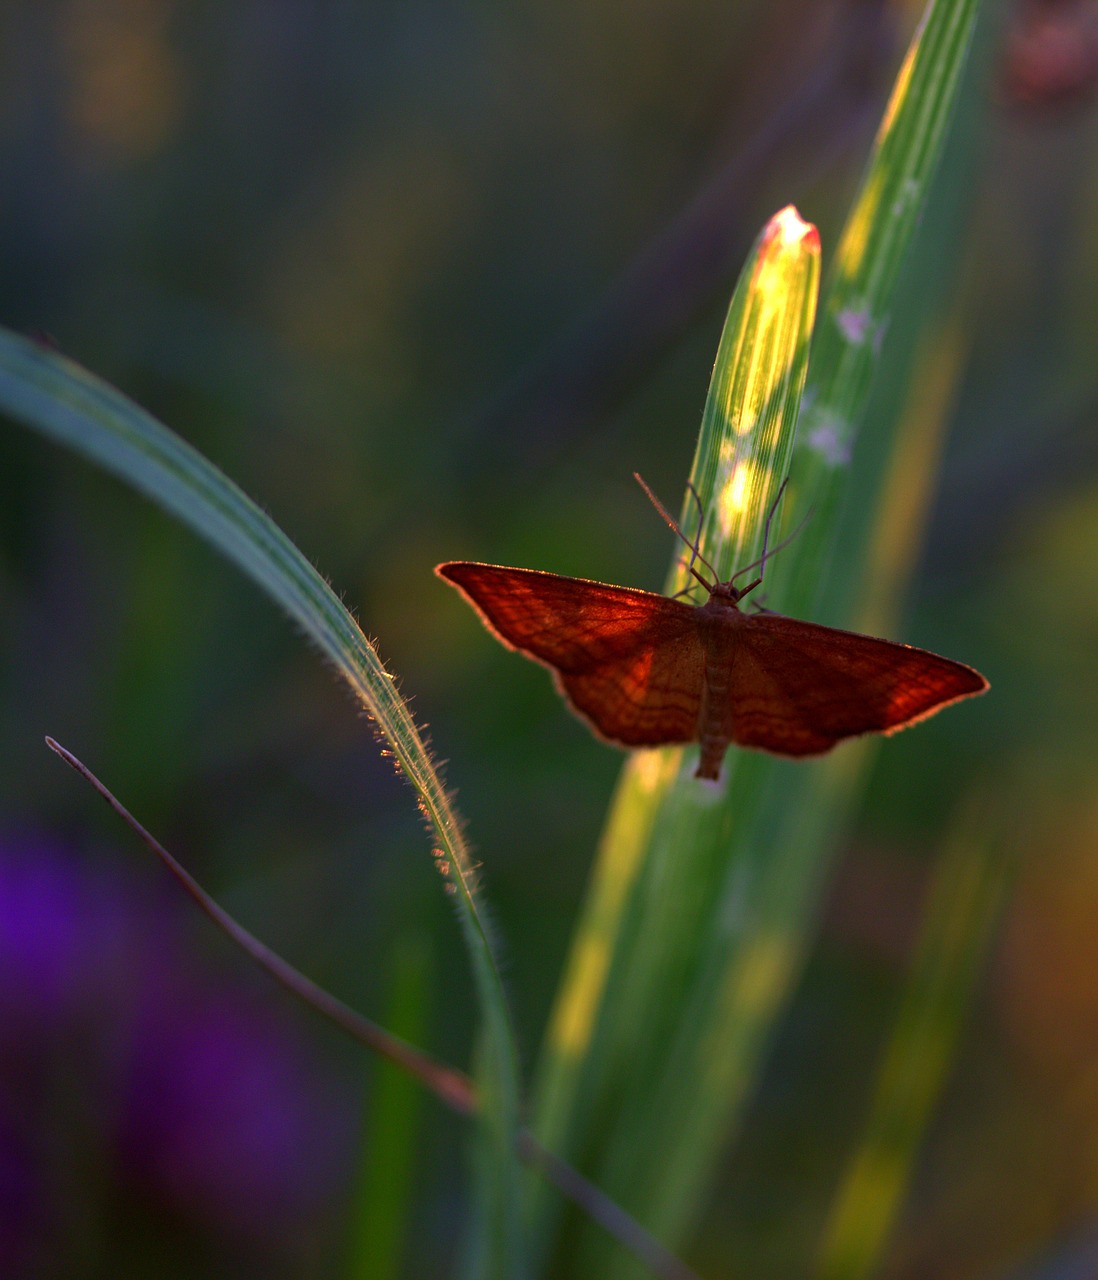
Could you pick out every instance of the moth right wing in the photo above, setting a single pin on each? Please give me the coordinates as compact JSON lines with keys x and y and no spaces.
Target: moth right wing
{"x":629,"y":662}
{"x":798,"y":688}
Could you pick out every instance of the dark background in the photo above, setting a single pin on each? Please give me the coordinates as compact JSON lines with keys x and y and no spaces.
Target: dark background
{"x":429,"y":281}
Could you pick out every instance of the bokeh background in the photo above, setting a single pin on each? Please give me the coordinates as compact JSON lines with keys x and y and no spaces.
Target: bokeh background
{"x":429,"y":281}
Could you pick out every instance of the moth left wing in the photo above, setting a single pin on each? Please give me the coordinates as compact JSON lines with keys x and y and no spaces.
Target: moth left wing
{"x":629,"y":662}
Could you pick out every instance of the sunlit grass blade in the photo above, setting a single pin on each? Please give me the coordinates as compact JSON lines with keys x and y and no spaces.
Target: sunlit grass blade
{"x":55,"y":397}
{"x":782,"y":825}
{"x":702,"y":903}
{"x":631,"y":932}
{"x":962,"y":907}
{"x":861,"y":293}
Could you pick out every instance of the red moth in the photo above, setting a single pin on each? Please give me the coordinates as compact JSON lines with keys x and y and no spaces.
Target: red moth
{"x":645,"y":670}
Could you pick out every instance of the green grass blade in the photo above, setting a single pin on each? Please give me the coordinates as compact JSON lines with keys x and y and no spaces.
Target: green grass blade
{"x":52,"y":395}
{"x":782,"y":820}
{"x":701,"y":904}
{"x":631,"y":931}
{"x":380,"y":1212}
{"x":780,"y":861}
{"x":964,"y":901}
{"x":861,"y":294}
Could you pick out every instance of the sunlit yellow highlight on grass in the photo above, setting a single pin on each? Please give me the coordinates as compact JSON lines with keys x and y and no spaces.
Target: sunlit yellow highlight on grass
{"x":780,"y":275}
{"x":864,"y":218}
{"x":908,"y":485}
{"x":862,"y":221}
{"x":571,"y":1027}
{"x":626,"y":838}
{"x":960,"y":912}
{"x":760,"y":979}
{"x":752,"y":989}
{"x":783,"y":277}
{"x":899,"y":91}
{"x":649,"y":767}
{"x":789,"y":227}
{"x":756,"y":384}
{"x":736,"y":492}
{"x":864,"y":1214}
{"x":781,"y":298}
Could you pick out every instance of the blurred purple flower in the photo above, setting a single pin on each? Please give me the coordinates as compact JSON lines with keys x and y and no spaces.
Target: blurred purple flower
{"x":64,"y":932}
{"x":199,"y":1095}
{"x":223,"y":1113}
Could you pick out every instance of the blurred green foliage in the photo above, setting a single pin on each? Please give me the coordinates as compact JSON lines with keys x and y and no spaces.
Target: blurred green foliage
{"x":298,"y":234}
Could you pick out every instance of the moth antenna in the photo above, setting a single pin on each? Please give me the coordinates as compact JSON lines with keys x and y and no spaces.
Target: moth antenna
{"x":760,"y":563}
{"x":769,"y":518}
{"x":695,"y":554}
{"x":685,"y":592}
{"x":701,"y":520}
{"x":690,"y":586}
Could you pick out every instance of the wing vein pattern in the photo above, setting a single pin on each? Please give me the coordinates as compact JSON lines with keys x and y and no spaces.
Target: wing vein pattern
{"x":630,"y":662}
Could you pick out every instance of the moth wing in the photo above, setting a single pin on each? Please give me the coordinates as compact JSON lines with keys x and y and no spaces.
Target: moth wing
{"x":629,"y":662}
{"x":798,"y":688}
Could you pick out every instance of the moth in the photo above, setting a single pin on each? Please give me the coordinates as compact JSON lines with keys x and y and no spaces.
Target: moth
{"x":646,"y":670}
